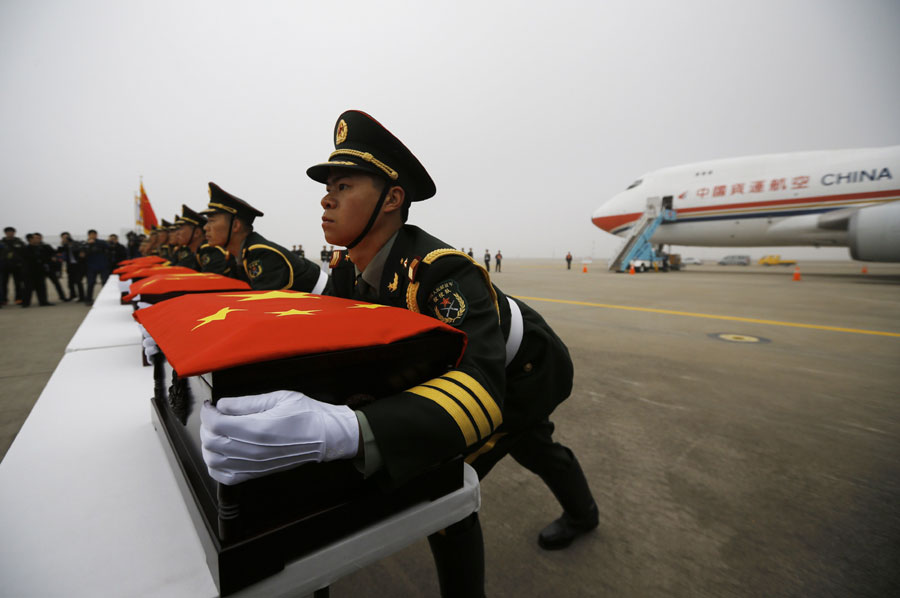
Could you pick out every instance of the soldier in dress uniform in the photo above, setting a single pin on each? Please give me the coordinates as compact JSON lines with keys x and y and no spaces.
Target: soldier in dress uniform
{"x":514,"y":372}
{"x":261,"y":263}
{"x":189,"y":237}
{"x":325,"y":257}
{"x":164,"y":232}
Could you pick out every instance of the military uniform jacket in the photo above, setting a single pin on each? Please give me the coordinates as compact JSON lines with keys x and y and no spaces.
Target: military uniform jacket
{"x":466,"y":410}
{"x":215,"y":259}
{"x":268,"y":266}
{"x":183,"y":256}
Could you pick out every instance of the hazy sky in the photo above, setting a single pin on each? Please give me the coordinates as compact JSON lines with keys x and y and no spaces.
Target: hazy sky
{"x":528,"y":115}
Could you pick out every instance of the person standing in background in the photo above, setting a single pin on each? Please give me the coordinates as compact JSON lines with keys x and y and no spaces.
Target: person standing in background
{"x":69,"y":254}
{"x":11,"y":263}
{"x":94,"y":252}
{"x":34,"y":271}
{"x":51,"y":265}
{"x":117,"y":251}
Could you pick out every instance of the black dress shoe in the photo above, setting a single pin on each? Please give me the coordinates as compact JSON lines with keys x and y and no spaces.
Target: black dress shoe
{"x":561,"y":532}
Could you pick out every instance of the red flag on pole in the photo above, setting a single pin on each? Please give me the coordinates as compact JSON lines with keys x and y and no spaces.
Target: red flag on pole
{"x":148,"y":217}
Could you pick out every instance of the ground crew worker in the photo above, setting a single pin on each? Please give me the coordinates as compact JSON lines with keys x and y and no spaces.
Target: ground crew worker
{"x":259,"y":262}
{"x":569,"y":261}
{"x":496,"y":401}
{"x":487,"y":260}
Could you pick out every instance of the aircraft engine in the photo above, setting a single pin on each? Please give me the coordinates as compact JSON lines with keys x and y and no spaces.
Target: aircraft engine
{"x":874,"y":233}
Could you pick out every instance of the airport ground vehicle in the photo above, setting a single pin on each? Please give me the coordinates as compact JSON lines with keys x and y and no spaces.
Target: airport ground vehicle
{"x":735,"y":260}
{"x":692,"y":261}
{"x":662,"y":261}
{"x":775,"y":260}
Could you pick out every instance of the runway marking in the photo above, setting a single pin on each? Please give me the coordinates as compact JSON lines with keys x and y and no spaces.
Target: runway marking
{"x":713,"y":316}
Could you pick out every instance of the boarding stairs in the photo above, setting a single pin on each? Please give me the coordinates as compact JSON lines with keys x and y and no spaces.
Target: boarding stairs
{"x":637,"y":245}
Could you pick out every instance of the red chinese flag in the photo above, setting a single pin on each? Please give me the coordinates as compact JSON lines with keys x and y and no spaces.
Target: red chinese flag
{"x":202,"y":333}
{"x":138,"y":262}
{"x":150,"y":271}
{"x":148,"y":217}
{"x":196,"y":282}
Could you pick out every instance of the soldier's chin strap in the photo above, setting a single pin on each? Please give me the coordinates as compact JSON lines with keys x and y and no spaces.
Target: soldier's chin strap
{"x":230,"y":226}
{"x":372,"y":218}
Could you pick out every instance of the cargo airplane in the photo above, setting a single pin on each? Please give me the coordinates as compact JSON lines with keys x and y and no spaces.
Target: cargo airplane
{"x":838,"y":198}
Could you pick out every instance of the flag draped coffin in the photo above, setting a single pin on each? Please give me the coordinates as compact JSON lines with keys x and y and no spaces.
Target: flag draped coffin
{"x":153,"y":269}
{"x":336,"y":350}
{"x":138,"y":262}
{"x":210,"y":332}
{"x":160,"y":287}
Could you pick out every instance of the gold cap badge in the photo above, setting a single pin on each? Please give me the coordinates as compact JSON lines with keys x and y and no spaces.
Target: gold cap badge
{"x":341,"y":135}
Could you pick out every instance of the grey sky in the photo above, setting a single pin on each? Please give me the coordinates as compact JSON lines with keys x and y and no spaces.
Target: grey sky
{"x":527,"y":115}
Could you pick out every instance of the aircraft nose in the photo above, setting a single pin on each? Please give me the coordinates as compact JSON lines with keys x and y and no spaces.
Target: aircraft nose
{"x":610,"y":217}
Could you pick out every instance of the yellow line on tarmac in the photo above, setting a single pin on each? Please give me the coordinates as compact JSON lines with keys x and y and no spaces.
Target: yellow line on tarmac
{"x":713,"y":317}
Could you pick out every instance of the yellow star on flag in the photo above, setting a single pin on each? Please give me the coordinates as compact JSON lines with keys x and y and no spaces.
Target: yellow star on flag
{"x":274,"y":295}
{"x":293,"y":312}
{"x":366,"y":306}
{"x":219,"y":315}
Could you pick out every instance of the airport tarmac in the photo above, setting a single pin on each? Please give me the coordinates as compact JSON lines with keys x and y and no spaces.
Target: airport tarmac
{"x":740,"y":430}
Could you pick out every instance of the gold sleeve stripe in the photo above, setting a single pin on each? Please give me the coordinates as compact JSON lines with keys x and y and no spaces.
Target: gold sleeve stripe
{"x":473,"y":386}
{"x":454,"y":410}
{"x":287,"y":261}
{"x":467,"y":401}
{"x":489,"y":445}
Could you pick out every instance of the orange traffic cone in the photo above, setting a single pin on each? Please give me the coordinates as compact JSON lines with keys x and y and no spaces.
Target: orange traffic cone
{"x":631,"y":269}
{"x":865,"y":270}
{"x":584,"y":269}
{"x":797,"y":273}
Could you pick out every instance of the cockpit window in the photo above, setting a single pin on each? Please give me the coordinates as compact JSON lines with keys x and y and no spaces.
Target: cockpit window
{"x":635,"y":184}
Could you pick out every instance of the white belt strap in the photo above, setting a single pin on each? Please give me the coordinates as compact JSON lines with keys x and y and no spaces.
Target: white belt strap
{"x":320,"y":284}
{"x":516,"y":328}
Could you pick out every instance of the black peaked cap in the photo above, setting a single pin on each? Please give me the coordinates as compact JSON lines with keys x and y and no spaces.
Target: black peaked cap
{"x":362,"y":143}
{"x":189,"y":216}
{"x":223,"y":202}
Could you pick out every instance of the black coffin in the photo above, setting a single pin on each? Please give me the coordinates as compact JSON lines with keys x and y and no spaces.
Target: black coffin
{"x":251,"y":530}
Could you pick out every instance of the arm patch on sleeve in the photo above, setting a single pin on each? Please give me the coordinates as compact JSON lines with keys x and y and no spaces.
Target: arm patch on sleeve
{"x":447,"y":303}
{"x":254,"y":269}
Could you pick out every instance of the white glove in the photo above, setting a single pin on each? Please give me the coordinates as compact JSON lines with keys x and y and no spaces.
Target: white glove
{"x":142,"y":304}
{"x":249,"y":437}
{"x":150,"y":346}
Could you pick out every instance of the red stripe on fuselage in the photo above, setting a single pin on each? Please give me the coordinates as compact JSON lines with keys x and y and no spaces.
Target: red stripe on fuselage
{"x":787,"y":202}
{"x":610,"y":223}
